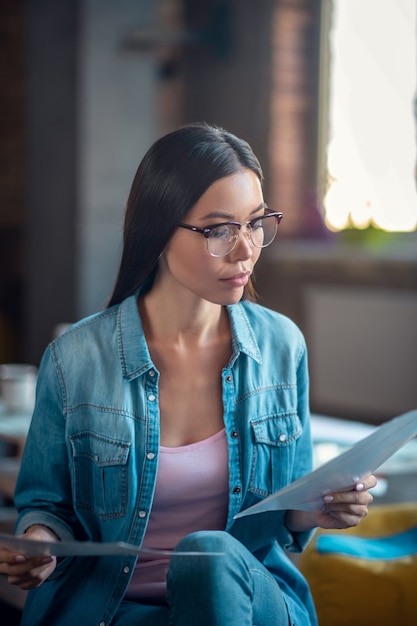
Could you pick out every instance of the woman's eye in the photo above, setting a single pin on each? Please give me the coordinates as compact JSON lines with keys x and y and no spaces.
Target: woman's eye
{"x":257,"y":224}
{"x":223,"y":232}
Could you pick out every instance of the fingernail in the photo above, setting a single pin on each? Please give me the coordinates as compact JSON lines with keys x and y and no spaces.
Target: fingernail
{"x":328,"y":499}
{"x":20,"y":558}
{"x":47,"y":559}
{"x":359,"y":486}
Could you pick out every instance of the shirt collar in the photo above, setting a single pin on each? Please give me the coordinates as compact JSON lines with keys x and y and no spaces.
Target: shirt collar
{"x":133,"y":349}
{"x":243,"y":337}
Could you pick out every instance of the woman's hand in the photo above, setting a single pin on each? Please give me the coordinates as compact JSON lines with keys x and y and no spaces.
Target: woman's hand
{"x":28,"y":572}
{"x":346,"y":508}
{"x":342,"y":509}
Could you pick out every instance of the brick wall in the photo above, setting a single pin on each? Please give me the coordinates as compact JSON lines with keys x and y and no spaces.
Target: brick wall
{"x":293,"y":110}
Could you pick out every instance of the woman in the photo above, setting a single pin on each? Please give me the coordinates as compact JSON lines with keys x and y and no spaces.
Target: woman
{"x":161,"y":418}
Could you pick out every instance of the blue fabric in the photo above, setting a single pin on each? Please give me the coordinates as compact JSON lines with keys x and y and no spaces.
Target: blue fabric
{"x":232,"y":589}
{"x":375,"y":548}
{"x":90,"y":461}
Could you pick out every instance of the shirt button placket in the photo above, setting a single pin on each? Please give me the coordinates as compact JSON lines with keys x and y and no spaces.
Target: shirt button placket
{"x":152,"y":398}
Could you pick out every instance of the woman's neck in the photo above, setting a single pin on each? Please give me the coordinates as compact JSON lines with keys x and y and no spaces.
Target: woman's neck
{"x":181,"y":320}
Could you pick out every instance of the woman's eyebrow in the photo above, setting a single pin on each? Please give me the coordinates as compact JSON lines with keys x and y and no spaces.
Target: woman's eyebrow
{"x":229,"y":216}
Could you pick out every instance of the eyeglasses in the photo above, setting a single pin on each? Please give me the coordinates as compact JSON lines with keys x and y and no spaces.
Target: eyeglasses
{"x":222,"y":238}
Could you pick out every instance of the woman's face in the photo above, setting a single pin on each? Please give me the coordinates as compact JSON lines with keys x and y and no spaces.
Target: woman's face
{"x":186,"y":261}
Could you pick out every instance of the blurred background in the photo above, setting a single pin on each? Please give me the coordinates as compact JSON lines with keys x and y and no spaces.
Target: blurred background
{"x":323,"y":90}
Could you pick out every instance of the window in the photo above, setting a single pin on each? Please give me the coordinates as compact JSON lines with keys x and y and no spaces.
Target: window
{"x":368,"y":84}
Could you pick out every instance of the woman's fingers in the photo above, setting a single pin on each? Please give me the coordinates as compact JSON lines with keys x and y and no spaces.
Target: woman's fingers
{"x":347,"y":498}
{"x":25,"y":572}
{"x":28,"y":572}
{"x":367,"y":483}
{"x":344,"y":509}
{"x":36,"y":575}
{"x":359,"y":494}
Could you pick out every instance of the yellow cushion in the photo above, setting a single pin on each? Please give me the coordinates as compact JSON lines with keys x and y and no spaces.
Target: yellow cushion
{"x":368,"y":574}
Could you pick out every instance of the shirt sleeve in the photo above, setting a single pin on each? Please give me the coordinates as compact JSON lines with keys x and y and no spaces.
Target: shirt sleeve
{"x":43,"y":492}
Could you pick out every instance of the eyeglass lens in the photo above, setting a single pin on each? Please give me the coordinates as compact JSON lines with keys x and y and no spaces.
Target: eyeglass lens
{"x":223,"y":239}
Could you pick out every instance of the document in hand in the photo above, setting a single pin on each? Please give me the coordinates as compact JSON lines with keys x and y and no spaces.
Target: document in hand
{"x":341,"y":473}
{"x":31,"y":547}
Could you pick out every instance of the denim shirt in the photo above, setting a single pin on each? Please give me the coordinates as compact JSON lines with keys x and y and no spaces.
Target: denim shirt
{"x":90,"y":462}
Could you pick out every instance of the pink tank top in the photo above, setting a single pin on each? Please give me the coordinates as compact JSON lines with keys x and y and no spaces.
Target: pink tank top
{"x":191,"y":493}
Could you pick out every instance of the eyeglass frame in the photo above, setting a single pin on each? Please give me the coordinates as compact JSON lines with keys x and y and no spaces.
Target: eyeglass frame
{"x":207,"y":230}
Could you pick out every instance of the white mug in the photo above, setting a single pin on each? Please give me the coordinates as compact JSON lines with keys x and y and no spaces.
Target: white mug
{"x":18,"y":387}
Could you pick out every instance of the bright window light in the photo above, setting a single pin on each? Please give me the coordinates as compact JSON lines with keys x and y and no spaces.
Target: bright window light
{"x":371,"y":156}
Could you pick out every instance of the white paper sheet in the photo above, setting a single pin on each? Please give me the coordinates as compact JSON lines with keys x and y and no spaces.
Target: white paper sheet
{"x":31,"y":547}
{"x":342,"y":472}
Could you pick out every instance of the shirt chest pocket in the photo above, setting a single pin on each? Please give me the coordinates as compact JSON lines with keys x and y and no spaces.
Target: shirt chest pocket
{"x":273,"y":455}
{"x":100,"y":474}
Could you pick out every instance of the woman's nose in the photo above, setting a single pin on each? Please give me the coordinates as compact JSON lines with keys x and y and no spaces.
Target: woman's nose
{"x":244,"y":246}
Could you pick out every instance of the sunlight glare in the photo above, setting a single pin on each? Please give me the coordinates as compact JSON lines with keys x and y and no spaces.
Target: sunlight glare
{"x":372,"y":151}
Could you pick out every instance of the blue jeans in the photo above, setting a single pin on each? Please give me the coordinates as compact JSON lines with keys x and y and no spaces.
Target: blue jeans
{"x":234,"y":589}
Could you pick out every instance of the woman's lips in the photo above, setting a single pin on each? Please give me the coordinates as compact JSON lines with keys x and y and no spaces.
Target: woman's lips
{"x":238,"y":280}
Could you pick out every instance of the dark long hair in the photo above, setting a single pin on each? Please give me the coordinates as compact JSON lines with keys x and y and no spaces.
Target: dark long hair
{"x":175,"y":172}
